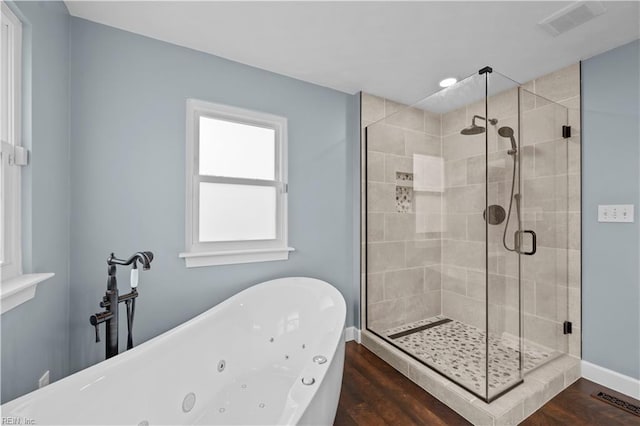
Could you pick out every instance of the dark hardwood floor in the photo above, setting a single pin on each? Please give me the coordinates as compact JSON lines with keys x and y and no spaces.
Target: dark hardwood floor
{"x":576,"y":406}
{"x":374,"y":393}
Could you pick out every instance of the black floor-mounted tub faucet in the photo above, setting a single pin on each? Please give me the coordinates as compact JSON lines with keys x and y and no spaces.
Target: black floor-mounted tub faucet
{"x":112,"y":299}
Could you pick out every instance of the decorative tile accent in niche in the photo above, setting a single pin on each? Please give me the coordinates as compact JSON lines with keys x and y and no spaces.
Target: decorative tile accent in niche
{"x":404,"y":179}
{"x":404,"y":199}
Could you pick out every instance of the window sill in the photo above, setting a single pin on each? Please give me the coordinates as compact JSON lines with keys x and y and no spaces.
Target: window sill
{"x":198,"y":259}
{"x":20,"y":289}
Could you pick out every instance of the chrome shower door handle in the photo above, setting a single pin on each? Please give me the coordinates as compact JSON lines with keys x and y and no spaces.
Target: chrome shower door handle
{"x":534,"y":242}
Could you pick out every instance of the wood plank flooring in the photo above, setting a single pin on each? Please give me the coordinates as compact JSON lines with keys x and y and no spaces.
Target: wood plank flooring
{"x":374,"y":393}
{"x":576,"y":406}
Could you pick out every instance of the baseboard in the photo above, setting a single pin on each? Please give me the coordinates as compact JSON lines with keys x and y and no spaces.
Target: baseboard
{"x":609,"y":378}
{"x":352,"y":333}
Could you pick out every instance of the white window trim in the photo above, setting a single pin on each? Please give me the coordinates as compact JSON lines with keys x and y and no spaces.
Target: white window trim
{"x":15,"y":287}
{"x":20,"y":289}
{"x":199,"y":254}
{"x":12,"y":265}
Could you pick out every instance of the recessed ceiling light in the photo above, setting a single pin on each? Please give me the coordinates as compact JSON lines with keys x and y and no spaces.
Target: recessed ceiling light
{"x":448,"y":82}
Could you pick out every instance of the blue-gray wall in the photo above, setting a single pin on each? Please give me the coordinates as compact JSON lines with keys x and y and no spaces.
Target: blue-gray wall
{"x":611,"y":251}
{"x":35,"y":335}
{"x":128,"y":98}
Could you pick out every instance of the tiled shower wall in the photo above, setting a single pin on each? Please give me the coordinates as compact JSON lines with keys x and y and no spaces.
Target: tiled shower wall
{"x":403,"y":220}
{"x":415,"y":274}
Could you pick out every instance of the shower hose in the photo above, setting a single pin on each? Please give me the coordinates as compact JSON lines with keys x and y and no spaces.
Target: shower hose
{"x":517,"y":198}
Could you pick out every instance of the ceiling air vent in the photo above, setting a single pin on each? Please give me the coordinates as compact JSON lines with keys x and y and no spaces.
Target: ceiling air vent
{"x":571,"y":16}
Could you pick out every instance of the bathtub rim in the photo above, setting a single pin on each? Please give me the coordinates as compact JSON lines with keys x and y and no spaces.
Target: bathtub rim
{"x":136,"y":352}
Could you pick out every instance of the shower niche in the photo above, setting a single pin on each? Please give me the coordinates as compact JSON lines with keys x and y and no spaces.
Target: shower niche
{"x":466,"y":229}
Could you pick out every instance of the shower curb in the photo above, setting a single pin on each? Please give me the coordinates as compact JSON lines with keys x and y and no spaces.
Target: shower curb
{"x":539,"y":386}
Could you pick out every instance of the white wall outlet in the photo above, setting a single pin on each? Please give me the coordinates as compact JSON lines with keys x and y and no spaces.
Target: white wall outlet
{"x":44,"y":380}
{"x":615,"y":213}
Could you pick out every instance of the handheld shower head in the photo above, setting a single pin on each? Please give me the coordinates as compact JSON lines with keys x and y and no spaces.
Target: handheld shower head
{"x":145,"y":257}
{"x":507,"y":132}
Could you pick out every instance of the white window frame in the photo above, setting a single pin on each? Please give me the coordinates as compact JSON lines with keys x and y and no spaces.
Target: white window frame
{"x":15,"y":287}
{"x":11,"y":258}
{"x":199,"y":253}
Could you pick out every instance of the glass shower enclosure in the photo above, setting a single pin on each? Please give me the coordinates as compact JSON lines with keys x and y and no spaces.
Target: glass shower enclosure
{"x":465,"y":200}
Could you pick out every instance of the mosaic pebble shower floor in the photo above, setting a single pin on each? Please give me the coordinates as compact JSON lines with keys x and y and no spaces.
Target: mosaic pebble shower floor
{"x":458,"y":351}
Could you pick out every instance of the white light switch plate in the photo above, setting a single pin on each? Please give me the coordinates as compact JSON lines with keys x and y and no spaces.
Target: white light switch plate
{"x":615,"y":213}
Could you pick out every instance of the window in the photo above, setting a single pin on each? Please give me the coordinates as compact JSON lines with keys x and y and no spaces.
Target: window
{"x":236,"y":186}
{"x":12,"y":153}
{"x":15,"y":287}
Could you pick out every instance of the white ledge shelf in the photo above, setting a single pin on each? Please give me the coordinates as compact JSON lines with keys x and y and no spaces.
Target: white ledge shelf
{"x":20,"y":289}
{"x":199,"y":259}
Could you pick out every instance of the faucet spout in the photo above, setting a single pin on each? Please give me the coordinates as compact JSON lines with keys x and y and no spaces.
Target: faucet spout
{"x":143,"y":257}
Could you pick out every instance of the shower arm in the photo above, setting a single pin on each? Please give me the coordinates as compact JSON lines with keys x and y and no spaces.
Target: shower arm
{"x":491,"y":121}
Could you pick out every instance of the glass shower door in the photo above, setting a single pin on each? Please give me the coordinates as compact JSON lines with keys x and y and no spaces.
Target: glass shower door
{"x":527,"y":256}
{"x":546,"y":210}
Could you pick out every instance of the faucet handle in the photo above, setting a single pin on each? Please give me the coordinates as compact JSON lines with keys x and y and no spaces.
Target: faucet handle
{"x":134,"y":277}
{"x":97,"y":333}
{"x":95,"y":321}
{"x":98,"y":318}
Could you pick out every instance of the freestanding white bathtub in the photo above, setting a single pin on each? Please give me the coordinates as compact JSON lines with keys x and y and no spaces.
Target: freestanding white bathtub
{"x":256,"y":358}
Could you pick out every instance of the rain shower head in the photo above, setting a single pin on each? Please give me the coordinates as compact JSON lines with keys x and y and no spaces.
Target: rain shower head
{"x":474,"y":129}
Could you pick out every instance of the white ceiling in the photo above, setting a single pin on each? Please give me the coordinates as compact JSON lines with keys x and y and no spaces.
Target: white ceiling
{"x":398,"y":50}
